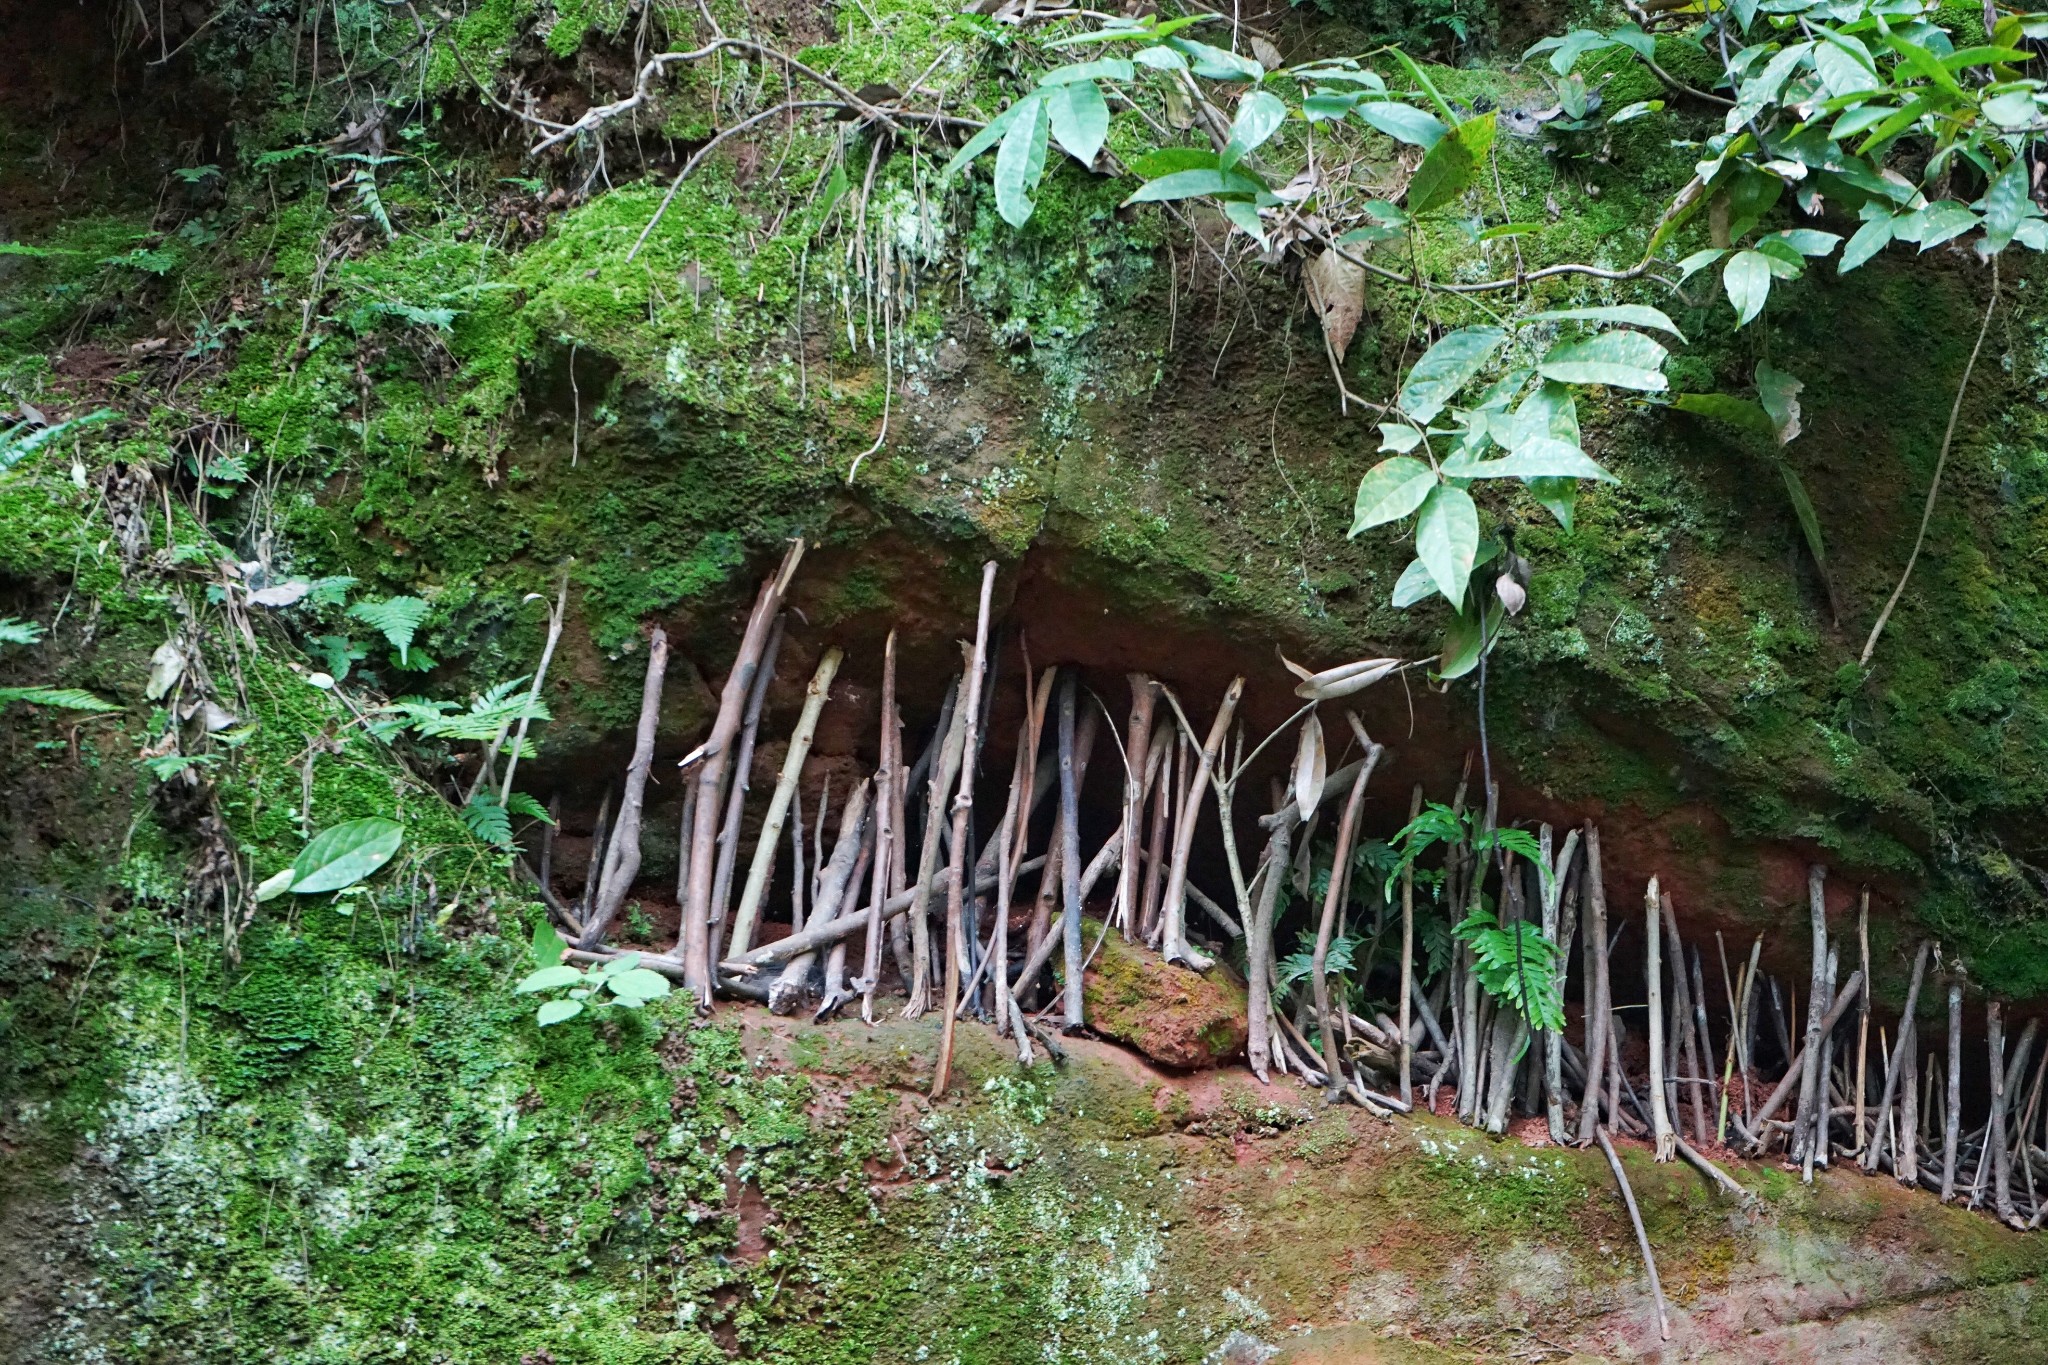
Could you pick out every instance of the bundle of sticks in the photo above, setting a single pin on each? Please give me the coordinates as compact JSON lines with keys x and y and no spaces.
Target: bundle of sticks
{"x":967,"y":920}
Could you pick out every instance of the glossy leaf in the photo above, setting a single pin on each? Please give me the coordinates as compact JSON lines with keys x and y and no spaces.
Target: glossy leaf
{"x":638,"y":984}
{"x":1020,"y":161}
{"x":1728,"y":409}
{"x":1447,"y":539}
{"x":1542,"y":457}
{"x":1620,"y":359}
{"x":344,"y":855}
{"x":1191,"y":184}
{"x":557,"y":1011}
{"x":1413,"y":585}
{"x":1391,"y":490}
{"x":1403,"y":122}
{"x":1873,"y":237}
{"x":1446,"y":368}
{"x":548,"y":979}
{"x":1747,"y":278}
{"x":1448,"y":167}
{"x":1259,"y":116}
{"x":1079,"y":119}
{"x":1629,"y":314}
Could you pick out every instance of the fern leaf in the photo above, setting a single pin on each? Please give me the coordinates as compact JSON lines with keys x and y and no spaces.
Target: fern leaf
{"x":398,"y":618}
{"x":18,"y":632}
{"x":488,"y":820}
{"x":523,"y":803}
{"x":66,"y":698}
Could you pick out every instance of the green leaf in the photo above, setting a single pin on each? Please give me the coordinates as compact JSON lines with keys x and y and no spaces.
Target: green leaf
{"x":2005,"y":204}
{"x":1747,"y":278}
{"x":1391,"y":490}
{"x":1079,"y":118}
{"x":1190,"y":184}
{"x":1844,"y":65}
{"x":1399,"y":437}
{"x":1873,"y":237}
{"x":1802,"y":507}
{"x":1413,"y":585}
{"x":1216,"y":64}
{"x":547,"y":947}
{"x":556,"y":1011}
{"x":638,"y":984}
{"x":1403,"y":122}
{"x":1164,"y":161}
{"x":1620,"y":359}
{"x":1558,"y":496}
{"x":1446,"y":368}
{"x":398,"y":618}
{"x":15,"y":631}
{"x":344,"y":855}
{"x":524,"y":803}
{"x":989,"y":135}
{"x":1421,"y":78}
{"x":1540,"y":457}
{"x":548,"y":979}
{"x":1549,"y":410}
{"x":1447,"y":539}
{"x":1728,"y":409}
{"x":1807,"y":241}
{"x":1020,"y":161}
{"x":1463,"y":638}
{"x":1779,"y":394}
{"x":1448,"y":167}
{"x":1630,"y":314}
{"x":1259,"y":116}
{"x":63,"y":698}
{"x":1698,"y":261}
{"x":273,"y":886}
{"x":488,"y":820}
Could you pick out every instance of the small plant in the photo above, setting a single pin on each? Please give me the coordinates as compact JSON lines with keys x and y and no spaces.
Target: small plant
{"x":491,"y":820}
{"x":398,"y":618}
{"x":337,"y":859}
{"x":1517,"y":966}
{"x":620,"y":982}
{"x":18,"y":632}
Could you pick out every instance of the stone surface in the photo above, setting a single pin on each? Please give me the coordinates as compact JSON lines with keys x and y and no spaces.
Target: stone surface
{"x":1174,"y":1017}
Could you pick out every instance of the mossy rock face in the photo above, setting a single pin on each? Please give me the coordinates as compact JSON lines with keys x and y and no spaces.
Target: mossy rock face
{"x":1172,"y":1016}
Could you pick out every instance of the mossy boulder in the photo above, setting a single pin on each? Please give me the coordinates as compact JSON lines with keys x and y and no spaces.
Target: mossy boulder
{"x":1175,"y":1017}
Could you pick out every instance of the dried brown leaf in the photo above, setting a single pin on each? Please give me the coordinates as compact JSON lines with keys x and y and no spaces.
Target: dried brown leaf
{"x":1336,"y":290}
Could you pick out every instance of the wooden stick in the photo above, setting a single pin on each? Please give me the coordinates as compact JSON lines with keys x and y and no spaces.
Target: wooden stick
{"x":1901,"y":1058}
{"x":956,"y":947}
{"x":742,"y":781}
{"x":1635,"y":1218}
{"x":1259,"y":951}
{"x":1407,"y":1077}
{"x":1598,"y":1004}
{"x":1952,"y":1115}
{"x":833,"y":885}
{"x":1702,"y":1038}
{"x":712,"y":773}
{"x":995,"y":958}
{"x":1820,"y":1121}
{"x":540,"y":676}
{"x":1070,"y":856}
{"x":622,"y":859}
{"x":1653,"y":978}
{"x":1683,"y":1044}
{"x":1019,"y":836}
{"x":593,"y":871}
{"x":1164,"y":795}
{"x":1795,"y":1068}
{"x":1810,"y":1093}
{"x":1173,"y":939}
{"x":1994,"y":1134}
{"x":1746,"y":1058}
{"x":1137,"y":756}
{"x":943,"y":771}
{"x":885,"y":833}
{"x":1906,"y":1142}
{"x":763,"y":866}
{"x":1714,"y":1173}
{"x":1862,"y":1015}
{"x":1098,"y":866}
{"x":1333,"y":1061}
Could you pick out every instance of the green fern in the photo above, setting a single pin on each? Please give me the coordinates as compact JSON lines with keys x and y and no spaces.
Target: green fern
{"x":488,"y":820}
{"x":14,"y":631}
{"x":66,"y":698}
{"x":24,"y":439}
{"x":1517,"y":966}
{"x":398,"y":618}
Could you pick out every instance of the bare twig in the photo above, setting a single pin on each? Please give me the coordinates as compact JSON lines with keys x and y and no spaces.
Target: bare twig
{"x":1635,"y":1218}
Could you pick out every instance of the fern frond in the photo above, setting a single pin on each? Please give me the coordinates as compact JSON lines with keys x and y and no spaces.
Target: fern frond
{"x":66,"y":698}
{"x":24,"y":439}
{"x":398,"y":618}
{"x":18,"y":632}
{"x":488,"y":820}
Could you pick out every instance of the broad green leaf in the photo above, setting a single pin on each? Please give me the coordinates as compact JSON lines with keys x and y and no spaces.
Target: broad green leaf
{"x":638,"y":983}
{"x":1747,"y":278}
{"x":1809,"y":520}
{"x":1844,"y":65}
{"x":2005,"y":203}
{"x":1779,"y":393}
{"x":1108,"y":69}
{"x":1549,"y":410}
{"x":273,"y":886}
{"x":1938,"y":222}
{"x":990,"y":134}
{"x":1020,"y":161}
{"x":2013,"y":109}
{"x":1629,"y":113}
{"x":1873,"y":237}
{"x":1464,"y":636}
{"x":1160,"y":59}
{"x":1446,"y":368}
{"x":1259,"y":116}
{"x":548,"y":979}
{"x":1414,"y":584}
{"x":1448,"y":167}
{"x":1421,"y":78}
{"x":1079,"y":118}
{"x":547,"y":947}
{"x":1403,"y":122}
{"x":1325,"y":105}
{"x":1860,"y":119}
{"x":344,"y":855}
{"x":1190,"y":184}
{"x":1806,"y":241}
{"x":1541,"y":457}
{"x":1698,"y":261}
{"x":1447,"y":539}
{"x":1164,"y":161}
{"x":1399,"y":437}
{"x":556,"y":1011}
{"x":1785,"y":262}
{"x":1215,"y":64}
{"x":1127,"y":30}
{"x":1620,"y":359}
{"x":1728,"y":409}
{"x":1245,"y":217}
{"x":1391,"y":490}
{"x":1630,"y":314}
{"x":1558,"y":496}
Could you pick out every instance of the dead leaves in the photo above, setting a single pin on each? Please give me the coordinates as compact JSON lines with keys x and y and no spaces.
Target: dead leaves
{"x":1336,"y":291}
